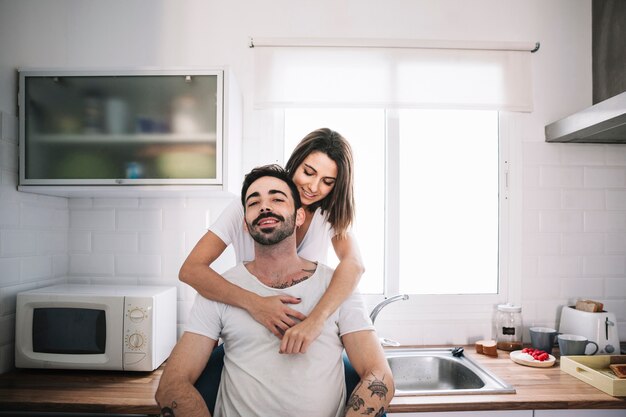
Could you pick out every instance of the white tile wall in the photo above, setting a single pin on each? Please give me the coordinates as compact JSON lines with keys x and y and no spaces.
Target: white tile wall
{"x":33,"y":238}
{"x":578,"y":248}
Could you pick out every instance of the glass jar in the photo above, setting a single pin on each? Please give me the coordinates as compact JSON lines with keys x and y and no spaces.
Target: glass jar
{"x":509,"y":327}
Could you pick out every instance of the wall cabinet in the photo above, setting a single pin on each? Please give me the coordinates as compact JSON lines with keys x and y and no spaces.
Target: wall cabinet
{"x":117,"y":132}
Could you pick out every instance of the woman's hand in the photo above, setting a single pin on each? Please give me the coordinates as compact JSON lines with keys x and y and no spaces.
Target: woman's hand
{"x":298,"y":338}
{"x":273,"y":313}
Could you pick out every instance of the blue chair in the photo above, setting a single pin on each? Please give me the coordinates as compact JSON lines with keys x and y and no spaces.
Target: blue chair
{"x":208,"y":382}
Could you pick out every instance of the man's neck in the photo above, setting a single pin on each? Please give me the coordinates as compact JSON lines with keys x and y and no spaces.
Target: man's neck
{"x":279,"y":265}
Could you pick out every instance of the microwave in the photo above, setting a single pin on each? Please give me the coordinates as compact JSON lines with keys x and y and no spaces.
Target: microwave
{"x":100,"y":327}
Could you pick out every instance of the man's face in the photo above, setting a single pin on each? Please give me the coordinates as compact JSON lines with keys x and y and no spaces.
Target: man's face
{"x":270,"y":213}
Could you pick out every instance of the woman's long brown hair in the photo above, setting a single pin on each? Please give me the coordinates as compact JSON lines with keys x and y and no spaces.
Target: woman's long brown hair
{"x":339,"y":204}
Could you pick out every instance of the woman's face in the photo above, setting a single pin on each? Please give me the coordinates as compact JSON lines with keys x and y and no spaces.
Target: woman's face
{"x":315,"y":177}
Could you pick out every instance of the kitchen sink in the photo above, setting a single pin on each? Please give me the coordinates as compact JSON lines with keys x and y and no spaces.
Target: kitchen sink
{"x":437,"y":371}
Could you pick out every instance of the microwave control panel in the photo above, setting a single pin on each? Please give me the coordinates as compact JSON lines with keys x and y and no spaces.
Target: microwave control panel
{"x":137,"y":329}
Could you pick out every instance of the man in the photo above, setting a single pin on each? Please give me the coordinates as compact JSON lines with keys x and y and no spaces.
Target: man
{"x":257,"y":380}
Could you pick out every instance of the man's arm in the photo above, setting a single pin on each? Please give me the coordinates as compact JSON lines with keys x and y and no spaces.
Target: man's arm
{"x":184,"y":366}
{"x":374,"y":393}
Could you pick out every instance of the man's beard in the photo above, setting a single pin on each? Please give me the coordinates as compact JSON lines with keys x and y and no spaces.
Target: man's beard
{"x":271,"y":236}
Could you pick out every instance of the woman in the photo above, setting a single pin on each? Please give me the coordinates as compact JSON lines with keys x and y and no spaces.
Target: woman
{"x":322,"y":168}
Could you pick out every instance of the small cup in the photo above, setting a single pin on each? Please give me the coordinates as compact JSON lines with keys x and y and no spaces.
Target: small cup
{"x":543,"y":338}
{"x":571,"y":344}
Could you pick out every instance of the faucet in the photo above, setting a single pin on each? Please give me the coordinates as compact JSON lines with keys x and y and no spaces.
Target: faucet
{"x":384,"y":303}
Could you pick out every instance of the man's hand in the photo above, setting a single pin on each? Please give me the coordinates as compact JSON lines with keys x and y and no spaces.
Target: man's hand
{"x":273,"y":313}
{"x":299,"y":337}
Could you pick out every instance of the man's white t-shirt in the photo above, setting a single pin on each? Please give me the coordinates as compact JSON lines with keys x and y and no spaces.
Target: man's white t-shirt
{"x":256,"y":379}
{"x":229,"y":228}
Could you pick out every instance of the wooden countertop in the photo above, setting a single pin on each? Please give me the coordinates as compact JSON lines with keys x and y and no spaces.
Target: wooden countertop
{"x":536,"y":389}
{"x":133,"y":392}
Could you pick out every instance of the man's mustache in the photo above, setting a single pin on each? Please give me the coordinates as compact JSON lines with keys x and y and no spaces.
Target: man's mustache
{"x":267,"y":215}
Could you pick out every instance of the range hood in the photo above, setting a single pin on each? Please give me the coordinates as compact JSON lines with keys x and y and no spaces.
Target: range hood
{"x":604,"y":122}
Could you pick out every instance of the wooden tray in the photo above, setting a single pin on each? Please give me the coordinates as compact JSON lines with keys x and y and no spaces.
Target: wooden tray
{"x":595,"y":371}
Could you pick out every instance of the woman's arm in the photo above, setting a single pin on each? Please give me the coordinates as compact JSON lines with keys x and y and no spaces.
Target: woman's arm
{"x":272,"y":312}
{"x":345,"y":279}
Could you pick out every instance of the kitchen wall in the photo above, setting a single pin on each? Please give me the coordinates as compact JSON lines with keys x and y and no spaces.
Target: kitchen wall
{"x":568,"y":202}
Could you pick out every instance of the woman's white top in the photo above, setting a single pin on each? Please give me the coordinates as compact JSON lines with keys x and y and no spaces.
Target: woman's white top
{"x":229,"y":228}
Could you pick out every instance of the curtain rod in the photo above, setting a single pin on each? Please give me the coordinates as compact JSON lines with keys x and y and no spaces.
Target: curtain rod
{"x":392,"y":43}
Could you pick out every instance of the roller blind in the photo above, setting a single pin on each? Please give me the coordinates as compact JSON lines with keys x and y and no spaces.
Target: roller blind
{"x":403,"y":75}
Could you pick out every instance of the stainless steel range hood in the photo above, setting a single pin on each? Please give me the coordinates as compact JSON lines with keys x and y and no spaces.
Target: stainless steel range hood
{"x":604,"y":122}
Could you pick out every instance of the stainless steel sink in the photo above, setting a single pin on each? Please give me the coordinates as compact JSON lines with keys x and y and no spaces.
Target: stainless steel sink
{"x":437,"y":371}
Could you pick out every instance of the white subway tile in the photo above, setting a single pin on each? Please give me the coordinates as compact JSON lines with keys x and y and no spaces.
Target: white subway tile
{"x":615,"y":155}
{"x":191,"y":238}
{"x":541,"y":153}
{"x":32,"y":215}
{"x":170,"y":203}
{"x":616,"y":243}
{"x":138,"y":265}
{"x":542,"y":198}
{"x":616,"y":287}
{"x":582,"y":154}
{"x":18,"y":242}
{"x":583,"y":199}
{"x":616,"y":199}
{"x":7,"y":329}
{"x":8,"y":156}
{"x":531,"y":221}
{"x":116,"y":202}
{"x":139,"y":220}
{"x":171,"y":264}
{"x":531,"y":177}
{"x":530,"y":266}
{"x":187,"y":219}
{"x":61,"y":219}
{"x":582,"y":243}
{"x":9,"y":180}
{"x":92,"y":219}
{"x":7,"y":355}
{"x":79,"y":241}
{"x":9,"y":271}
{"x":604,"y":265}
{"x":560,"y":266}
{"x":8,"y":127}
{"x":80,"y":203}
{"x":92,"y":264}
{"x":8,"y":296}
{"x":52,"y":242}
{"x":565,"y":221}
{"x":605,"y":221}
{"x":60,"y":265}
{"x":163,"y":242}
{"x":567,"y":177}
{"x":36,"y":268}
{"x":9,"y":213}
{"x":115,"y":242}
{"x":542,"y":287}
{"x":575,"y":288}
{"x":605,"y":177}
{"x":542,"y":243}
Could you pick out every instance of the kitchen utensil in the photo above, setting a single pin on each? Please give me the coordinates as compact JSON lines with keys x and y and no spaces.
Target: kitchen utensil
{"x":572,"y":344}
{"x":601,"y":327}
{"x":525,"y":359}
{"x":543,"y":338}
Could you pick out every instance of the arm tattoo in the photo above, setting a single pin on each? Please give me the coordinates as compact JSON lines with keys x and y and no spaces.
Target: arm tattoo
{"x":355,"y":402}
{"x":378,"y":387}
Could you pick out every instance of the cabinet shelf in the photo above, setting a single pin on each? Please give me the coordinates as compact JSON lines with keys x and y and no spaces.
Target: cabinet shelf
{"x":138,"y":138}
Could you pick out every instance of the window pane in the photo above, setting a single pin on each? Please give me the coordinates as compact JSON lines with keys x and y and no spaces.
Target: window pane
{"x":365,"y":130}
{"x":448,"y":201}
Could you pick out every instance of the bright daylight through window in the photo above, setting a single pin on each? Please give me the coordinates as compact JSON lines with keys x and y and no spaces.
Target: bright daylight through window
{"x":442,"y":214}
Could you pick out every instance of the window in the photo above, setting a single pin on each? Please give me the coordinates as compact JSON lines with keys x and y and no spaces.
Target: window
{"x":428,"y":200}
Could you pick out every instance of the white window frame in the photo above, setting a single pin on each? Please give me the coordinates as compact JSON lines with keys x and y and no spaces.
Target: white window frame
{"x":434,"y":307}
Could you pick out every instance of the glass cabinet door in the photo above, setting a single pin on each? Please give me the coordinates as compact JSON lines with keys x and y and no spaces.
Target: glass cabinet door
{"x":121,"y":129}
